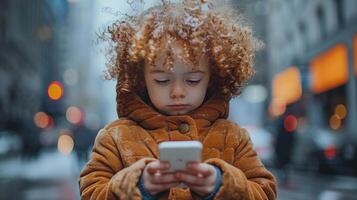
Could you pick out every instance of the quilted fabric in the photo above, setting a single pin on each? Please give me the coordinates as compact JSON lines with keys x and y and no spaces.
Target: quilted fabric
{"x":125,"y":146}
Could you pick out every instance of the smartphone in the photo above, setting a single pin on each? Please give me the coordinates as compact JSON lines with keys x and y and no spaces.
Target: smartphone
{"x":179,"y":153}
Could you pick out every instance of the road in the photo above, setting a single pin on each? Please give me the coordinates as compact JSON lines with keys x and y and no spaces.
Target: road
{"x":53,"y":176}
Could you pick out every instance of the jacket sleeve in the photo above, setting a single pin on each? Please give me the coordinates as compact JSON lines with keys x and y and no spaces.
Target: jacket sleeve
{"x":247,"y":178}
{"x":104,"y":177}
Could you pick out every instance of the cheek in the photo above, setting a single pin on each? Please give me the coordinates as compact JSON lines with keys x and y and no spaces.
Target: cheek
{"x":155,"y":90}
{"x":198,"y":94}
{"x":157,"y":94}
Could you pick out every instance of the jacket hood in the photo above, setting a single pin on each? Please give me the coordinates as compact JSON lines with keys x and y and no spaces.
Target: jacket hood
{"x":133,"y":107}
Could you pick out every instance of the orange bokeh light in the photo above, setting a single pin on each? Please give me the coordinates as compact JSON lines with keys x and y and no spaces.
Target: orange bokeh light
{"x":286,"y":86}
{"x":55,"y":90}
{"x":41,"y":120}
{"x":277,"y":107}
{"x":290,"y":123}
{"x":329,"y":69}
{"x":341,"y":111}
{"x":355,"y":52}
{"x":335,"y":122}
{"x":74,"y":115}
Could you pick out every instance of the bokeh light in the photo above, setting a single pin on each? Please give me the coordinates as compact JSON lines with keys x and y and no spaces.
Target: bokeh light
{"x":44,"y":33}
{"x":55,"y":90}
{"x":329,"y":69}
{"x":70,"y":77}
{"x":42,"y":120}
{"x":290,"y":123}
{"x":51,"y":122}
{"x":335,"y":122}
{"x":65,"y":144}
{"x":255,"y":93}
{"x":277,"y":107}
{"x":74,"y":115}
{"x":341,"y":111}
{"x":330,"y":152}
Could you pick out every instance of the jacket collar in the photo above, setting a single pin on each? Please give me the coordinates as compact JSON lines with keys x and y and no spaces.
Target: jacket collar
{"x":134,"y":108}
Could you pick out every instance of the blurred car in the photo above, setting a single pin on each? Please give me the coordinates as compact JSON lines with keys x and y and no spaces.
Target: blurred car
{"x":325,"y":151}
{"x":262,"y":140}
{"x":10,"y":142}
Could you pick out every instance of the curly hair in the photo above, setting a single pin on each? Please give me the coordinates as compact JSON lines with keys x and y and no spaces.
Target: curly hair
{"x":139,"y":39}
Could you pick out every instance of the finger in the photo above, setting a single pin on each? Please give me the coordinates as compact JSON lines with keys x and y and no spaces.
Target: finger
{"x":201,"y":190}
{"x":191,"y":179}
{"x":163,"y":178}
{"x":192,"y":168}
{"x":154,"y":189}
{"x":155,"y":166}
{"x":201,"y":168}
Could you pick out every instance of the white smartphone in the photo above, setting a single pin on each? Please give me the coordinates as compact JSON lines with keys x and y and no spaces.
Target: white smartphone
{"x":179,"y":153}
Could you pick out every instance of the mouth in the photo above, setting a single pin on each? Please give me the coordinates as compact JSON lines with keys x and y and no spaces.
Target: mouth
{"x":178,"y":106}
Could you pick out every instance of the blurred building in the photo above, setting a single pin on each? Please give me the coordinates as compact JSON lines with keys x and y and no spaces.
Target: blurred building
{"x":29,"y":61}
{"x":312,"y":49}
{"x":89,"y":54}
{"x":254,"y":96}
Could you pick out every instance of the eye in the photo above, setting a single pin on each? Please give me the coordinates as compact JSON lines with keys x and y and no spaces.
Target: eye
{"x":193,"y":82}
{"x":162,"y":82}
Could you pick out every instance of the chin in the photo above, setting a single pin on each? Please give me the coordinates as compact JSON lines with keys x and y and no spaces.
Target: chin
{"x":176,"y":112}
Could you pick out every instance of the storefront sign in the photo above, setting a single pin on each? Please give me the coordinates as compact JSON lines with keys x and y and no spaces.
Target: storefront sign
{"x":329,"y":69}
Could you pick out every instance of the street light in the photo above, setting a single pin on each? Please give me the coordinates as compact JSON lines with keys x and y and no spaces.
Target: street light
{"x":74,"y":115}
{"x":55,"y":90}
{"x":43,"y":120}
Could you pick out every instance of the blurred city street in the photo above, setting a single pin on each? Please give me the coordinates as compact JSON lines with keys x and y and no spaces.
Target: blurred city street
{"x":53,"y":177}
{"x":311,"y":186}
{"x":300,"y":108}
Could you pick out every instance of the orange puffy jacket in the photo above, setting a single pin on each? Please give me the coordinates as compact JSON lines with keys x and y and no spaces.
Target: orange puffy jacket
{"x":125,"y":146}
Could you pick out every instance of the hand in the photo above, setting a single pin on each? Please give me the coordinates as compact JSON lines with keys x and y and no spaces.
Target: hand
{"x":199,"y":177}
{"x":155,"y":180}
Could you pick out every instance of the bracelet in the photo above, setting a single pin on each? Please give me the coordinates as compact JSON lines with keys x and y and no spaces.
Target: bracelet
{"x":216,"y":186}
{"x":145,"y":195}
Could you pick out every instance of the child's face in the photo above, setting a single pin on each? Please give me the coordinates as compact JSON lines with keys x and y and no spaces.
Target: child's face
{"x":180,"y":90}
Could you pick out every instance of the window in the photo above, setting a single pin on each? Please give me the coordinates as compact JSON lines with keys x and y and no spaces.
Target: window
{"x":339,"y":13}
{"x":321,"y":19}
{"x":3,"y":7}
{"x":2,"y":29}
{"x":303,"y":32}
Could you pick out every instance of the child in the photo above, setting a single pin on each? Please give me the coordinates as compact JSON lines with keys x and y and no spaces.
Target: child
{"x":177,"y":66}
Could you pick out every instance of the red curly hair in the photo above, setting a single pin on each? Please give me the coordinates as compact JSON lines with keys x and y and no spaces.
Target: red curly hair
{"x":139,"y":39}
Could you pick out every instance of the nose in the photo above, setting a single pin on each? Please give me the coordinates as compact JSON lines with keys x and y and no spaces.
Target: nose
{"x":178,"y":91}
